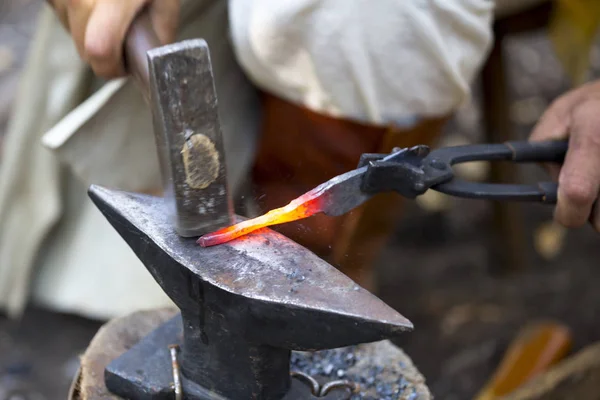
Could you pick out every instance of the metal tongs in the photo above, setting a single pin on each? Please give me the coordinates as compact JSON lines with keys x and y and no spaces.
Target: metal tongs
{"x":410,"y":172}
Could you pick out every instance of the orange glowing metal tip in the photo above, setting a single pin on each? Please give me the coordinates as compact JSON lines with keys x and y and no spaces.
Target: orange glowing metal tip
{"x":335,"y":197}
{"x":302,"y":207}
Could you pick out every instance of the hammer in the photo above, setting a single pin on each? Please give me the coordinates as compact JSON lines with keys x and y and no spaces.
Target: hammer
{"x":191,"y":154}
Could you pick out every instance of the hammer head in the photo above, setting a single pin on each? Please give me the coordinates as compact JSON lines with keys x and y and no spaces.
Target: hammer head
{"x":188,"y":137}
{"x":269,"y":288}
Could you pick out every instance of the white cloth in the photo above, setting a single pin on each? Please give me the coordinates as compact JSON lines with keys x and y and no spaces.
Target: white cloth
{"x":379,"y":61}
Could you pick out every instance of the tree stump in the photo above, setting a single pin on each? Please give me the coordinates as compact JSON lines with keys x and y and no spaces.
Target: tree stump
{"x":381,"y":369}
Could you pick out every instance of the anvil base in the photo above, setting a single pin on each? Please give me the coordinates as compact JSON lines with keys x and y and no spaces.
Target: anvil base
{"x":145,"y":372}
{"x":381,"y":369}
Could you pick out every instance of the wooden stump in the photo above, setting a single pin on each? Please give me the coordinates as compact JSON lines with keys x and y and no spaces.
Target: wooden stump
{"x":375,"y":366}
{"x":112,"y":340}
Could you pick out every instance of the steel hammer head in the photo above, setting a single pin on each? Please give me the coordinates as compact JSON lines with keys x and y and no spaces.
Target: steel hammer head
{"x":188,"y":137}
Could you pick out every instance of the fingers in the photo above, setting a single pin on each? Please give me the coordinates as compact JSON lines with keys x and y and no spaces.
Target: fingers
{"x":556,"y":120}
{"x":104,"y":35}
{"x":579,"y":179}
{"x":99,"y":28}
{"x":165,"y":18}
{"x":574,"y":114}
{"x":555,"y":123}
{"x":77,"y":14}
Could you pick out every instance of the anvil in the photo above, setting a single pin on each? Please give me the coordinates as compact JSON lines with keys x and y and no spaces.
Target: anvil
{"x":245,"y":305}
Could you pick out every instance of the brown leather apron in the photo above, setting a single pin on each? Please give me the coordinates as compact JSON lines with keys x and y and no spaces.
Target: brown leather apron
{"x":301,"y":149}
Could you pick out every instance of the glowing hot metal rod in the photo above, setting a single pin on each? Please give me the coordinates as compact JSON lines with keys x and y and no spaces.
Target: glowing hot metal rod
{"x":334,"y":197}
{"x":409,"y":172}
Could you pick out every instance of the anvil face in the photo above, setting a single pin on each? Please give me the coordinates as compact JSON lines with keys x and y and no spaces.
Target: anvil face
{"x":246,"y":303}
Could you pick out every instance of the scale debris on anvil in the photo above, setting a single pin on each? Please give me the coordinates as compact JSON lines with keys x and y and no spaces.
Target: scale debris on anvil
{"x":244,"y":305}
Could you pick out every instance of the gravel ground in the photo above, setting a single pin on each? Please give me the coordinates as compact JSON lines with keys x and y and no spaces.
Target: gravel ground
{"x":435,"y":271}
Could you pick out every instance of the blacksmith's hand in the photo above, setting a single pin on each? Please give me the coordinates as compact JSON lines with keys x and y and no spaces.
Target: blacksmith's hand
{"x":99,"y":27}
{"x":575,"y":115}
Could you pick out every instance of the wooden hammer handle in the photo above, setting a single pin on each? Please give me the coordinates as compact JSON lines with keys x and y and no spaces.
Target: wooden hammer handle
{"x":140,"y":38}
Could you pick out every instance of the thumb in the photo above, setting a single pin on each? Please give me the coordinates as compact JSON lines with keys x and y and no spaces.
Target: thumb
{"x":105,"y":34}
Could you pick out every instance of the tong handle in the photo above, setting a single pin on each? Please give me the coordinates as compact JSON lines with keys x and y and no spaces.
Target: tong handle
{"x":140,"y":38}
{"x":438,"y":166}
{"x":544,"y":192}
{"x":548,"y":151}
{"x":517,"y":151}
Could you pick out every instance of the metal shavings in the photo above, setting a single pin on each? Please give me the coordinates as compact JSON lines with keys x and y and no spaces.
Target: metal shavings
{"x":321,"y":391}
{"x":376,"y":382}
{"x":335,"y":385}
{"x":315,"y":387}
